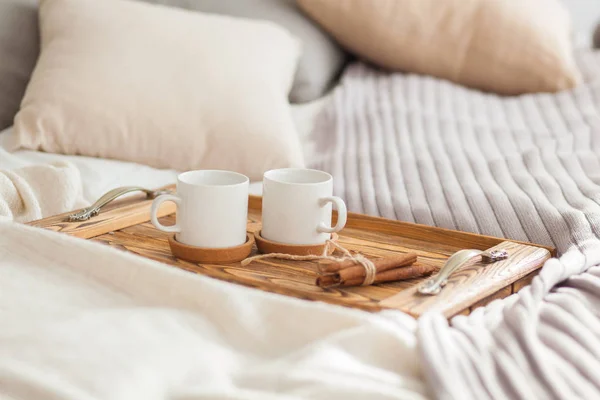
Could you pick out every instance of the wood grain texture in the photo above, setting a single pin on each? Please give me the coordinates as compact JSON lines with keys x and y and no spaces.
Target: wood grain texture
{"x":525,"y":281}
{"x":474,"y":282}
{"x":119,"y":214}
{"x":500,"y":294}
{"x":472,"y":286}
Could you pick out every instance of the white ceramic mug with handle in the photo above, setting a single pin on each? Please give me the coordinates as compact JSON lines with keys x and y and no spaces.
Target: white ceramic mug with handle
{"x":297,"y":204}
{"x":212,"y":209}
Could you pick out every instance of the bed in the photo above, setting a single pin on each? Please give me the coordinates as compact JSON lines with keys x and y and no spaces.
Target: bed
{"x":80,"y":320}
{"x":374,"y":131}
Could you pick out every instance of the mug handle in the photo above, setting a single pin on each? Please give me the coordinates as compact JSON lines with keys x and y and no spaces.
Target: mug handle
{"x":342,"y":214}
{"x":156,"y":204}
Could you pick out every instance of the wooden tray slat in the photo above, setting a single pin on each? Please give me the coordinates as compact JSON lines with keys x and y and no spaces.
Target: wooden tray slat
{"x":475,"y":282}
{"x":120,"y":214}
{"x":125,"y":225}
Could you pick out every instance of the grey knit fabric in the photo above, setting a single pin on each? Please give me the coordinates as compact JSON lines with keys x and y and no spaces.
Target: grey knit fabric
{"x":423,"y":150}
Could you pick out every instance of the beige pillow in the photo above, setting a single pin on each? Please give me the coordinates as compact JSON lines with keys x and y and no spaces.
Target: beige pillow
{"x":503,"y":46}
{"x":161,"y":86}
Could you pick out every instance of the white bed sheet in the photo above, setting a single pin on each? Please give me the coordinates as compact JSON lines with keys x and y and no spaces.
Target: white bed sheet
{"x":100,"y":175}
{"x":85,"y":321}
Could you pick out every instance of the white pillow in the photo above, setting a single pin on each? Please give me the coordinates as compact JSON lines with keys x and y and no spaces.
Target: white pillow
{"x":161,"y":86}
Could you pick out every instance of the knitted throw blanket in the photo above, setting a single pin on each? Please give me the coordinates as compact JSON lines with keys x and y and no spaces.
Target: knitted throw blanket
{"x":423,"y":150}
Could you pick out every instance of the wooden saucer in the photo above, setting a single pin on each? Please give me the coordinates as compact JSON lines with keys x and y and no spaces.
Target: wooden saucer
{"x":266,"y":246}
{"x":206,"y":255}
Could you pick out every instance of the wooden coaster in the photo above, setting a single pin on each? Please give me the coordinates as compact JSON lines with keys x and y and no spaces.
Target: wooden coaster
{"x":266,"y":246}
{"x":206,"y":255}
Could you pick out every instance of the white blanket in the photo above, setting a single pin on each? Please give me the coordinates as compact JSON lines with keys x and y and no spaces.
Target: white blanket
{"x":33,"y":192}
{"x":80,"y":320}
{"x":96,"y":176}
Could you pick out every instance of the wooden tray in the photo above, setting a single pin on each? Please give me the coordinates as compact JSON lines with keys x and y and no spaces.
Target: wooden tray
{"x":125,"y":225}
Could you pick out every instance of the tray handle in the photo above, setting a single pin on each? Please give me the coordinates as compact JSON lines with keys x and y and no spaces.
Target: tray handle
{"x":94,"y":209}
{"x":434,"y":285}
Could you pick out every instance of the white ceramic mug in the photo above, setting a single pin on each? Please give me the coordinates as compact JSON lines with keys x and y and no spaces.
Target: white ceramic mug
{"x":296,"y":207}
{"x":212,"y":209}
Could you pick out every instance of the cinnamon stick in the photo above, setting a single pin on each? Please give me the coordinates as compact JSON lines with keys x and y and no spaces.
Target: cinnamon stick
{"x":357,"y":271}
{"x":381,"y":264}
{"x":396,"y":274}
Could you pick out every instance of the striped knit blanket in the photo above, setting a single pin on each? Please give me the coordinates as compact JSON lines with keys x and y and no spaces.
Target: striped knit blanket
{"x":423,"y":150}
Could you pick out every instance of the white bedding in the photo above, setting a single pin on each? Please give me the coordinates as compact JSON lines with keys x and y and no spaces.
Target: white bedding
{"x":100,"y":175}
{"x":80,"y":320}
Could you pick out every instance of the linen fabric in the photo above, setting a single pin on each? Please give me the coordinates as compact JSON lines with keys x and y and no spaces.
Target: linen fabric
{"x":19,"y":48}
{"x":96,"y":175}
{"x":39,"y":191}
{"x":83,"y":320}
{"x":507,"y":47}
{"x":421,"y":149}
{"x":322,"y":58}
{"x":161,"y":86}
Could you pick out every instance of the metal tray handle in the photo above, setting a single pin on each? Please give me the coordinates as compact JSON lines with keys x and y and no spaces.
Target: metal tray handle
{"x":434,"y":285}
{"x":94,"y":209}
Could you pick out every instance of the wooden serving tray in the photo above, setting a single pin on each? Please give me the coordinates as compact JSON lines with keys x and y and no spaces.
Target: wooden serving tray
{"x":125,"y":225}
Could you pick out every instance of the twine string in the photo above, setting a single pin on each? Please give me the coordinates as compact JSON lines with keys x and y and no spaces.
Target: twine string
{"x":370,"y":269}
